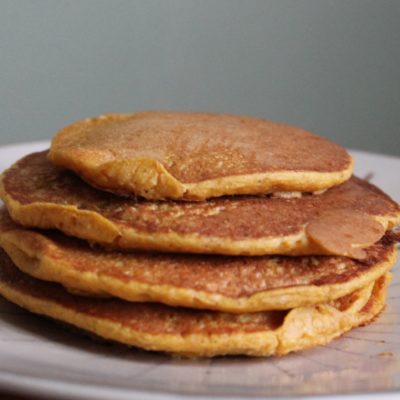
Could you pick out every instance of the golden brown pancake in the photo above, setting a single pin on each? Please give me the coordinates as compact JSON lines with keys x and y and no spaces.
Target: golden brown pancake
{"x":354,"y":214}
{"x":175,"y":155}
{"x":231,"y":284}
{"x":193,"y":332}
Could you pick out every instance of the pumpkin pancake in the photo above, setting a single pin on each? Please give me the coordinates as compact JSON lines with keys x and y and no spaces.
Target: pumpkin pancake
{"x":340,"y":221}
{"x":189,"y":332}
{"x":231,"y":284}
{"x":175,"y":155}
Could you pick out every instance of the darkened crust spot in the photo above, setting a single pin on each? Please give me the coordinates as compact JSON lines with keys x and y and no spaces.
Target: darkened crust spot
{"x":379,"y":284}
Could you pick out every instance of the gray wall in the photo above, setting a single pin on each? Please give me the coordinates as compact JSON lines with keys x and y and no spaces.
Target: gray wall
{"x":330,"y":66}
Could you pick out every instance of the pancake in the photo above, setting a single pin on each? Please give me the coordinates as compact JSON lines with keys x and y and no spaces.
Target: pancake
{"x":175,"y":155}
{"x":230,"y":284}
{"x":340,"y":221}
{"x":192,"y":332}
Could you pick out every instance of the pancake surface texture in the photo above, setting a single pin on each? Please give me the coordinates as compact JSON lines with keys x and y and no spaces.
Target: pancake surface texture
{"x":192,"y":332}
{"x":195,"y":156}
{"x":231,"y":284}
{"x":41,"y":195}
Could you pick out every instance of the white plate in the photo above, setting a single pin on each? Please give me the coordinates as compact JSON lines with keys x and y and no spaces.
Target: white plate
{"x":38,"y":357}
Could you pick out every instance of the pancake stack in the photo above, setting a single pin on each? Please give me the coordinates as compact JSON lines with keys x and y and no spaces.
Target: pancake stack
{"x":196,"y":234}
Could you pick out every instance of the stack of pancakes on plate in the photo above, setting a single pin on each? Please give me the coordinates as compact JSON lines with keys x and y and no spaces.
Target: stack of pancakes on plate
{"x":196,"y":234}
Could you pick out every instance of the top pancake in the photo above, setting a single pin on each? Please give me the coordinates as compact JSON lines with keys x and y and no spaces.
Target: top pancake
{"x":174,"y":155}
{"x":340,"y":221}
